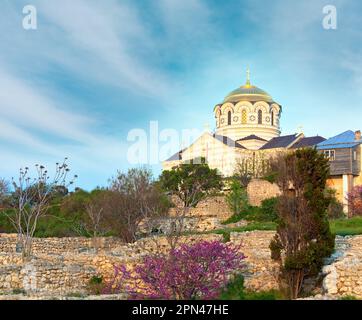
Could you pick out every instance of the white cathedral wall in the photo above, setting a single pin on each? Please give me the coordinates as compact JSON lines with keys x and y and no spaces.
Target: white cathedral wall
{"x":219,"y":156}
{"x":252,"y":144}
{"x":237,"y":132}
{"x":239,"y":129}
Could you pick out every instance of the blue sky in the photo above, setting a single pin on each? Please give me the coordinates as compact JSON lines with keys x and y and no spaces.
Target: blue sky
{"x":94,"y":70}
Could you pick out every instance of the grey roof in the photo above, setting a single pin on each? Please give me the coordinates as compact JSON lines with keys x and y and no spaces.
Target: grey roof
{"x":341,"y":141}
{"x":227,"y":141}
{"x":251,"y":137}
{"x":279,"y":142}
{"x":176,"y":156}
{"x":308,"y":142}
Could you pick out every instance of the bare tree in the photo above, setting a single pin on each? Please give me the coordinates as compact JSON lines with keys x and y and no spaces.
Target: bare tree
{"x":132,"y":198}
{"x":256,"y":166}
{"x":4,"y":191}
{"x":95,"y":215}
{"x":31,"y":201}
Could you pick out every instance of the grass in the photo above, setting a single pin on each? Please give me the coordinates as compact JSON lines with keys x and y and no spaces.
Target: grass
{"x":348,"y":298}
{"x":250,"y":227}
{"x":265,"y":213}
{"x":346,"y":227}
{"x":235,"y":290}
{"x":341,"y":227}
{"x":249,"y":214}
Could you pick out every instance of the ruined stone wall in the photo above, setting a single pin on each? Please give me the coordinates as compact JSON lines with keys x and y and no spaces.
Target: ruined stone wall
{"x":261,"y":271}
{"x":59,"y":245}
{"x":259,"y":190}
{"x":187,"y":224}
{"x":64,"y":269}
{"x":43,"y":276}
{"x":215,"y":206}
{"x":344,"y":274}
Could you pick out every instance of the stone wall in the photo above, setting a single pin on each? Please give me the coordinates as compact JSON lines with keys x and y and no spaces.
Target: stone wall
{"x":45,"y":276}
{"x":259,"y":190}
{"x":186,"y":224}
{"x":261,"y":271}
{"x":344,"y":274}
{"x":215,"y":206}
{"x":60,"y":268}
{"x":59,"y":245}
{"x":63,"y":269}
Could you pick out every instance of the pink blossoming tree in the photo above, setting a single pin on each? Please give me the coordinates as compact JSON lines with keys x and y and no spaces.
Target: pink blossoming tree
{"x":197,"y":271}
{"x":355,"y":201}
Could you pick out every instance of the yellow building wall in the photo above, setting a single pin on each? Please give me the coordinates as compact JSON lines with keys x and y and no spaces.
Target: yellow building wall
{"x":336,"y":183}
{"x":358,"y":179}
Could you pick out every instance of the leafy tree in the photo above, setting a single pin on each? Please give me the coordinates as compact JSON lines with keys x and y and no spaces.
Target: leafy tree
{"x":196,"y":271}
{"x":4,"y":191}
{"x":237,"y":198}
{"x":190,"y":183}
{"x":303,"y":236}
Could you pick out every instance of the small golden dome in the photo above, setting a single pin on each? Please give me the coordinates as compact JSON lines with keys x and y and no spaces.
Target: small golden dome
{"x":248,"y":93}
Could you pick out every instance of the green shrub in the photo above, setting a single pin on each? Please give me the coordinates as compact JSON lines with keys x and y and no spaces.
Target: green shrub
{"x":226,"y":237}
{"x":268,"y":210}
{"x":19,"y":291}
{"x":5,"y":224}
{"x":335,"y":208}
{"x":271,"y":177}
{"x":96,"y":285}
{"x":235,"y":290}
{"x":249,"y":214}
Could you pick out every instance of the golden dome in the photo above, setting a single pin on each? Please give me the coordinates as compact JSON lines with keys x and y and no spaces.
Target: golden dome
{"x":248,"y":93}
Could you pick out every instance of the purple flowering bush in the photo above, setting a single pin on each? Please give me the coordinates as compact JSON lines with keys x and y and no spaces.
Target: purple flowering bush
{"x":355,"y":201}
{"x":196,"y":271}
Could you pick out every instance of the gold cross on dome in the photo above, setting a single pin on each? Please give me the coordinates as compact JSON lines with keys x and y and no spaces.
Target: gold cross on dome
{"x":248,"y":76}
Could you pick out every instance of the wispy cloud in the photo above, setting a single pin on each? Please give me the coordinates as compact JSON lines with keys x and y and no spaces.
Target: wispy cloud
{"x":94,"y":70}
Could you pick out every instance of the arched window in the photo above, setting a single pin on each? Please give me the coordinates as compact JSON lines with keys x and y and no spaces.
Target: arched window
{"x":229,"y":118}
{"x":272,"y":118}
{"x":260,"y":117}
{"x":243,"y":116}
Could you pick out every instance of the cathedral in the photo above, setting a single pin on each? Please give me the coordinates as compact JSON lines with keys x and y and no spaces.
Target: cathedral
{"x":247,"y":128}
